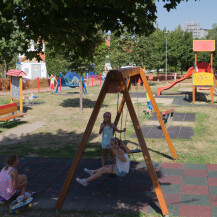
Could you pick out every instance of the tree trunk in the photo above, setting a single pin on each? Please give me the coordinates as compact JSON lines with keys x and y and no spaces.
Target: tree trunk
{"x":5,"y":68}
{"x":81,"y":90}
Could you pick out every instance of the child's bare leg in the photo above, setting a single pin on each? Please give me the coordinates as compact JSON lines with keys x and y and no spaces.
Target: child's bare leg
{"x":101,"y":171}
{"x":22,"y":181}
{"x":104,"y":155}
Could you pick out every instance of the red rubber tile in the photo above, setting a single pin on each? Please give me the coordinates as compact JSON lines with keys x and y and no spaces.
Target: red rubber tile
{"x":212,"y":181}
{"x":195,"y":173}
{"x":195,"y":211}
{"x":171,"y":180}
{"x":211,"y":167}
{"x":172,"y":165}
{"x":213,"y":200}
{"x":172,"y":198}
{"x":195,"y":189}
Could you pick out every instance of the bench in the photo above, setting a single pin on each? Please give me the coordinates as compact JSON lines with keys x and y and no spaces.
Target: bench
{"x":8,"y":112}
{"x":167,"y":114}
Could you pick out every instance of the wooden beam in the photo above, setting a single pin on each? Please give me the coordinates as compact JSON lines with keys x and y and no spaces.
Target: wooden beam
{"x":212,"y":94}
{"x":21,"y":94}
{"x":11,"y":89}
{"x":158,"y":114}
{"x":193,"y":94}
{"x":83,"y":143}
{"x":121,"y":106}
{"x":144,"y":148}
{"x":126,"y":73}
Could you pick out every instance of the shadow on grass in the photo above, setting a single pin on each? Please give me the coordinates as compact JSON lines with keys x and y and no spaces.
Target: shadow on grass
{"x":12,"y":124}
{"x":87,"y":103}
{"x":149,"y":149}
{"x":131,"y":193}
{"x":58,"y":144}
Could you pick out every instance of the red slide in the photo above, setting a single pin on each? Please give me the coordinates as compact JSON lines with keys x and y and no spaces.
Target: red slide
{"x":187,"y":75}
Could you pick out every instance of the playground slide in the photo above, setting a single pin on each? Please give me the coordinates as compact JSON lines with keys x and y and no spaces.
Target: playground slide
{"x":187,"y":75}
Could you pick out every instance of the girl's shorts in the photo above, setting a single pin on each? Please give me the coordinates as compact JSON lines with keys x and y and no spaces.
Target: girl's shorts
{"x":104,"y":146}
{"x":120,"y":173}
{"x":149,"y":105}
{"x":51,"y":86}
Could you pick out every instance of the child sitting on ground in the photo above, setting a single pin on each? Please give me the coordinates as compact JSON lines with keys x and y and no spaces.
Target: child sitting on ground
{"x":11,"y":181}
{"x":120,"y":168}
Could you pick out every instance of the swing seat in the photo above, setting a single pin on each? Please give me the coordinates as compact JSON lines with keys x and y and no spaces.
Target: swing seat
{"x":134,"y":151}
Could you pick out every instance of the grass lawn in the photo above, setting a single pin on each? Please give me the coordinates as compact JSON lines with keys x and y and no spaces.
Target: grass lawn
{"x":64,"y":126}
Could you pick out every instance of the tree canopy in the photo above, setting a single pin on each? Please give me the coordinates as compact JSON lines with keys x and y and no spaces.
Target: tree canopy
{"x":73,"y":25}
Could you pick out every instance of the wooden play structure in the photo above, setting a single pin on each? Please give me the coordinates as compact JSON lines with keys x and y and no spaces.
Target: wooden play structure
{"x":119,"y":81}
{"x":204,"y":78}
{"x":16,"y":86}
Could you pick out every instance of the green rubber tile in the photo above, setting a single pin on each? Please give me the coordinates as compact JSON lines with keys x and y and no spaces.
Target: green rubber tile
{"x":175,"y":189}
{"x":214,"y":211}
{"x":195,"y":166}
{"x":173,"y":209}
{"x":212,"y":174}
{"x":196,"y":200}
{"x":154,"y":207}
{"x":171,"y":172}
{"x":212,"y":190}
{"x":187,"y":180}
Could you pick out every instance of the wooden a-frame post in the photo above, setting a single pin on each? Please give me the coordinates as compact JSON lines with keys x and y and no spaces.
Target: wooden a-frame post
{"x":158,"y":114}
{"x":114,"y":77}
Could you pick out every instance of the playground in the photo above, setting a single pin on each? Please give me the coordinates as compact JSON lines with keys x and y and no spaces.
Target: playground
{"x":47,"y":138}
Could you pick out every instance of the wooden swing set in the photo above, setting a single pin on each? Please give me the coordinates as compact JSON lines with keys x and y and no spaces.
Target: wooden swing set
{"x":119,"y":81}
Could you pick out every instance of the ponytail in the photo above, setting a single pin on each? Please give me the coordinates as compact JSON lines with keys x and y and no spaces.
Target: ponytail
{"x":10,"y":160}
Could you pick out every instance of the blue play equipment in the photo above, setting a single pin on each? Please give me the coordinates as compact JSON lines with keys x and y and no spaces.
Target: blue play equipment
{"x":66,"y":81}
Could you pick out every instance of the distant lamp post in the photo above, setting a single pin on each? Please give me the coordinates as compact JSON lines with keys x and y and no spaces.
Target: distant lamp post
{"x":166,"y":59}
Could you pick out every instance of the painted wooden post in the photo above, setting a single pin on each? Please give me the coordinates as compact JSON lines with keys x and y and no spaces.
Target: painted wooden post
{"x":158,"y":114}
{"x":82,"y":145}
{"x":21,"y":94}
{"x":60,"y":83}
{"x":11,"y":89}
{"x":38,"y":85}
{"x":92,"y":80}
{"x":144,"y":148}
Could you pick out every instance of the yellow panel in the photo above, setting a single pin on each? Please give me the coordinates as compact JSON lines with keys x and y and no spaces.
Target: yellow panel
{"x":203,"y":79}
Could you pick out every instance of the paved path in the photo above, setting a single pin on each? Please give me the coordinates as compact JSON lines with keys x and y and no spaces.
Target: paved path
{"x":189,"y":189}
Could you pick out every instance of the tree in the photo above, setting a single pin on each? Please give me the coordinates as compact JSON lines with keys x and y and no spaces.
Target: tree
{"x":55,"y":62}
{"x":121,"y":49}
{"x":72,"y":26}
{"x":100,"y":58}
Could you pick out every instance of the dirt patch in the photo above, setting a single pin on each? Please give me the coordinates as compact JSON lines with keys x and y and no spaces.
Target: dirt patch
{"x":14,"y":135}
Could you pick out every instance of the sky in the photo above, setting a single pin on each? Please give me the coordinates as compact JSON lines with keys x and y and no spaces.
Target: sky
{"x":200,"y":11}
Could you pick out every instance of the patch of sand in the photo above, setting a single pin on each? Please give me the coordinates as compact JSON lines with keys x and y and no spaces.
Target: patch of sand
{"x":20,"y":133}
{"x":164,"y":101}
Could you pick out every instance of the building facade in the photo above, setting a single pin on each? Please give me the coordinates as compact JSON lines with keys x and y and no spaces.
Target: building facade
{"x":197,"y":32}
{"x":33,"y":68}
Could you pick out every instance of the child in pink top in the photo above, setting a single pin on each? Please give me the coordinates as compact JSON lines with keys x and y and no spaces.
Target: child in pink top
{"x":11,"y":181}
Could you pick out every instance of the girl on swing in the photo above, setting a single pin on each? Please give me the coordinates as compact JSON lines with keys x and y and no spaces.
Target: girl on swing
{"x":107,"y":129}
{"x":120,"y":168}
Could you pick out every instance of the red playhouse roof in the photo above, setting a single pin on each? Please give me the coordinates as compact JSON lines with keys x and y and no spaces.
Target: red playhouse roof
{"x":204,"y":45}
{"x":16,"y":73}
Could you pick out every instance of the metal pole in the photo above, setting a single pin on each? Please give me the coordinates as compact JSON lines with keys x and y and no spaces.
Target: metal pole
{"x":166,"y":60}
